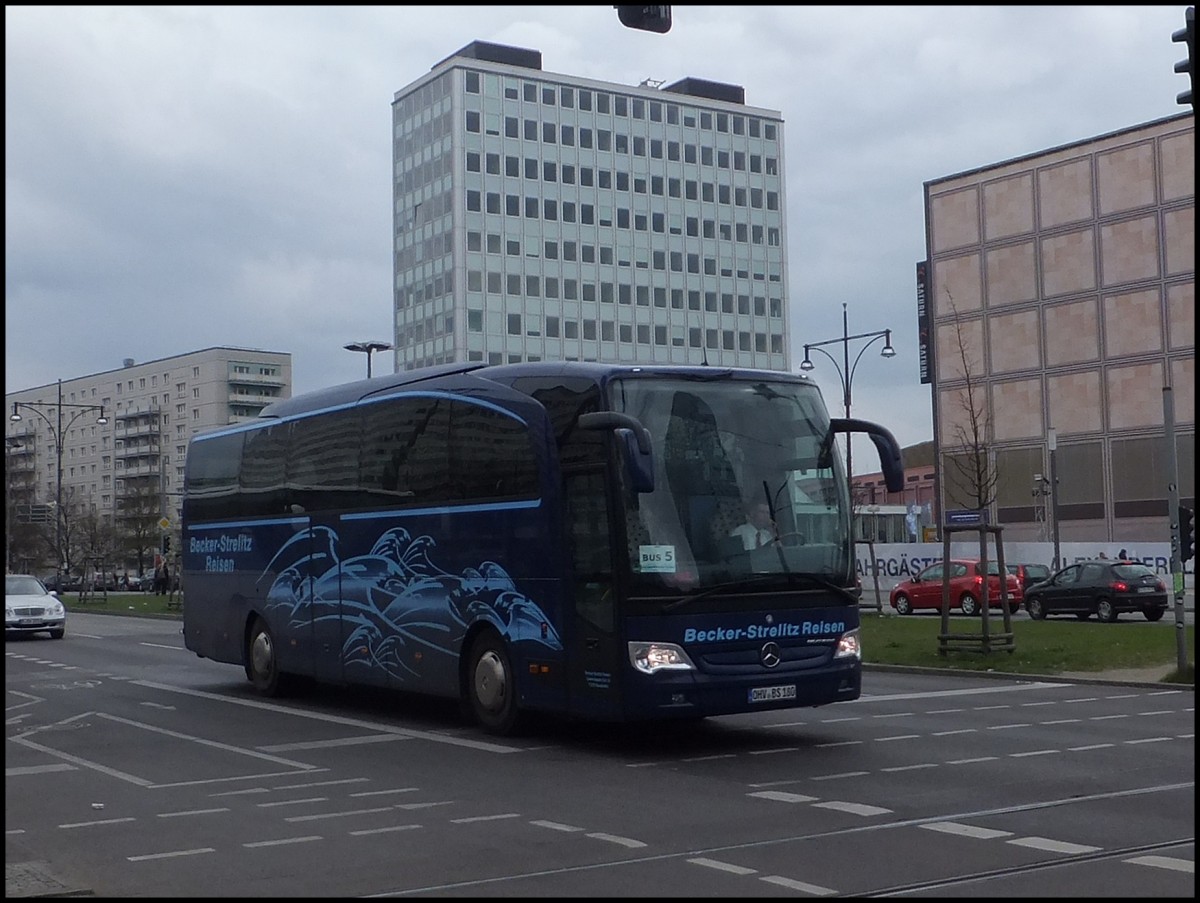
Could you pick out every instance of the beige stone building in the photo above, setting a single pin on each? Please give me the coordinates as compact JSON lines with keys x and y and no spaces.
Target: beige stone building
{"x":1059,"y":302}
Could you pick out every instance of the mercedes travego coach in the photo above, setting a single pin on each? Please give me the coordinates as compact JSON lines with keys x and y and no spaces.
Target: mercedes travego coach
{"x":600,"y":541}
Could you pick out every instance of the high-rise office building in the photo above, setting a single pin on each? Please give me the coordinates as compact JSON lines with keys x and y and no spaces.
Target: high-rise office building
{"x":543,"y":217}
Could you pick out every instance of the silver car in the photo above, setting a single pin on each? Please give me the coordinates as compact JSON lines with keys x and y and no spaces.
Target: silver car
{"x":30,"y":608}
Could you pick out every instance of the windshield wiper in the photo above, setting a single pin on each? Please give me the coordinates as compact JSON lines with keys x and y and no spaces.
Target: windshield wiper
{"x":755,"y":579}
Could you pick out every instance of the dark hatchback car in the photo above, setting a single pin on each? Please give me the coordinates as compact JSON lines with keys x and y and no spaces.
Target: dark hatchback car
{"x":1103,"y":588}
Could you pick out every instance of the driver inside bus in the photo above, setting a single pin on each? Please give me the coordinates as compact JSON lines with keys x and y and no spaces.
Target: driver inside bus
{"x":759,"y":529}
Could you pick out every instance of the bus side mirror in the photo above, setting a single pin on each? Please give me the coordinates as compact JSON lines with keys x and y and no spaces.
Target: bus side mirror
{"x":890,"y":459}
{"x":633,"y":443}
{"x":638,"y":465}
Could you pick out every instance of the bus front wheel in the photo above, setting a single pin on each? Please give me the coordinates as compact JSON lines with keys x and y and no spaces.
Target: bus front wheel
{"x":491,"y":685}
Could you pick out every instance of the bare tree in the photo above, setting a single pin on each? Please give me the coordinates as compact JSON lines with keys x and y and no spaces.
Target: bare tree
{"x":140,"y":509}
{"x":95,"y":537}
{"x":975,"y":487}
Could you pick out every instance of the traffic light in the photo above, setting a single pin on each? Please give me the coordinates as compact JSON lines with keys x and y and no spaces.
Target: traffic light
{"x":1187,"y":534}
{"x":166,"y":545}
{"x":1187,"y":35}
{"x":647,"y":18}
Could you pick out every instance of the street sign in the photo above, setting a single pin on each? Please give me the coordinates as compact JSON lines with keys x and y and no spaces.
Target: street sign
{"x":966,"y":517}
{"x":164,"y":522}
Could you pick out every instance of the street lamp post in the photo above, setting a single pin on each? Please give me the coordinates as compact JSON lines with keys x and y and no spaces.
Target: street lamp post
{"x":845,"y":370}
{"x":1052,"y":445}
{"x":368,"y":348}
{"x":58,"y":433}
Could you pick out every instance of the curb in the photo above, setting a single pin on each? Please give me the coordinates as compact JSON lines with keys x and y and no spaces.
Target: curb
{"x":1008,"y":675}
{"x":37,"y":879}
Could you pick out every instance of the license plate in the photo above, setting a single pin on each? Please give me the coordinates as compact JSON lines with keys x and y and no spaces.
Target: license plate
{"x":770,"y":694}
{"x":1145,"y":589}
{"x":29,"y":622}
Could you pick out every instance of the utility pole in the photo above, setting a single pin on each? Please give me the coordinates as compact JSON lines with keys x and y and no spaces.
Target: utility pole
{"x":1176,"y":537}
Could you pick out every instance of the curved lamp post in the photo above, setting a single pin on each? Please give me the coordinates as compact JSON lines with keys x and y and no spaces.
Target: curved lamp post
{"x":846,"y":370}
{"x":58,"y":432}
{"x":368,"y":348}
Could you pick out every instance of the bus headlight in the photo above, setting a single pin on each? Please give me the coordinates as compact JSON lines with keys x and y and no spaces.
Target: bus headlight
{"x":849,"y":646}
{"x":651,"y":657}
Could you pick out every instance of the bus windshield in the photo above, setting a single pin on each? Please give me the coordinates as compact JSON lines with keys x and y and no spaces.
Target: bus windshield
{"x":739,"y":488}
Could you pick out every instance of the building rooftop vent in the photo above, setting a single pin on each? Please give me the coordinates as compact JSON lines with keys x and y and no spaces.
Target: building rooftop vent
{"x":498,"y":53}
{"x":699,"y":87}
{"x":128,"y":362}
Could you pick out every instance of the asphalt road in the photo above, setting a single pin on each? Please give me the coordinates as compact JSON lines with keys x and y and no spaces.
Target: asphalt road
{"x":134,"y":769}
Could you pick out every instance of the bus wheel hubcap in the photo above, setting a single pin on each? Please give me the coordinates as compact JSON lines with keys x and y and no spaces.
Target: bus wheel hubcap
{"x":489,"y":681}
{"x":261,"y":655}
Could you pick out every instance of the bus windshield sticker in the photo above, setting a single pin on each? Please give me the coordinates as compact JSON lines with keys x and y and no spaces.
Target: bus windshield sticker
{"x":657,"y":559}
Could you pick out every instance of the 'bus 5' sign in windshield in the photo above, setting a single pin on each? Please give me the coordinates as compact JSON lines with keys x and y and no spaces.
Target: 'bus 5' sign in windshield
{"x":765,"y":632}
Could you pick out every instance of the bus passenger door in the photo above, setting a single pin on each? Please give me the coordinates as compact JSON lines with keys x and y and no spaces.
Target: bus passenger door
{"x":593,"y":642}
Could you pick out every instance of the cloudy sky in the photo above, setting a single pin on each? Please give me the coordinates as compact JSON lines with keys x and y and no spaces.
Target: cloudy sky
{"x":183,"y":177}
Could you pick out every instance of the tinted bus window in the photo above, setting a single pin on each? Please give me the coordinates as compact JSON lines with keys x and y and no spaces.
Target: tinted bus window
{"x":322,"y":468}
{"x":405,"y":455}
{"x":212,"y":476}
{"x":264,"y":471}
{"x":491,"y":457}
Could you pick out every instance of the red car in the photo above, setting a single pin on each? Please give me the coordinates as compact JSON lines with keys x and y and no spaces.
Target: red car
{"x":966,"y":588}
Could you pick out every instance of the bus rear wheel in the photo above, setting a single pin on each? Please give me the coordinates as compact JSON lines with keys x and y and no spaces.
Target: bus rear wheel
{"x":491,"y":685}
{"x":262,"y":663}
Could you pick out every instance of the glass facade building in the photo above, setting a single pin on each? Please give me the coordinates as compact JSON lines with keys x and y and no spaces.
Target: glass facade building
{"x":546,"y":217}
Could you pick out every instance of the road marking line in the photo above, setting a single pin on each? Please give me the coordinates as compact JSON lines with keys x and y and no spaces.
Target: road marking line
{"x":169,"y":855}
{"x":386,"y":830}
{"x":814,"y":889}
{"x":950,"y":827}
{"x":781,"y":796}
{"x":852,"y":808}
{"x":280,"y":843}
{"x":276,"y":803}
{"x":555,"y":826}
{"x":623,"y":841}
{"x":92,"y":824}
{"x":322,"y":817}
{"x":1165,"y":862}
{"x":37,"y":769}
{"x":1052,"y":846}
{"x":722,"y":866}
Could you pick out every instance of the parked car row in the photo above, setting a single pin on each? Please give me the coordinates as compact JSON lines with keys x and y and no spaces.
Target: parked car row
{"x":111,"y":582}
{"x":1103,"y":588}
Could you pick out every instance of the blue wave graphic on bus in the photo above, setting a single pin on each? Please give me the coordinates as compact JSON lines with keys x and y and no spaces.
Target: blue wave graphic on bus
{"x":395,"y":597}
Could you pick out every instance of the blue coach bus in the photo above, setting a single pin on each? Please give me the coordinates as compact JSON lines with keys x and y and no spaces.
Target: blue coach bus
{"x":550,"y":536}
